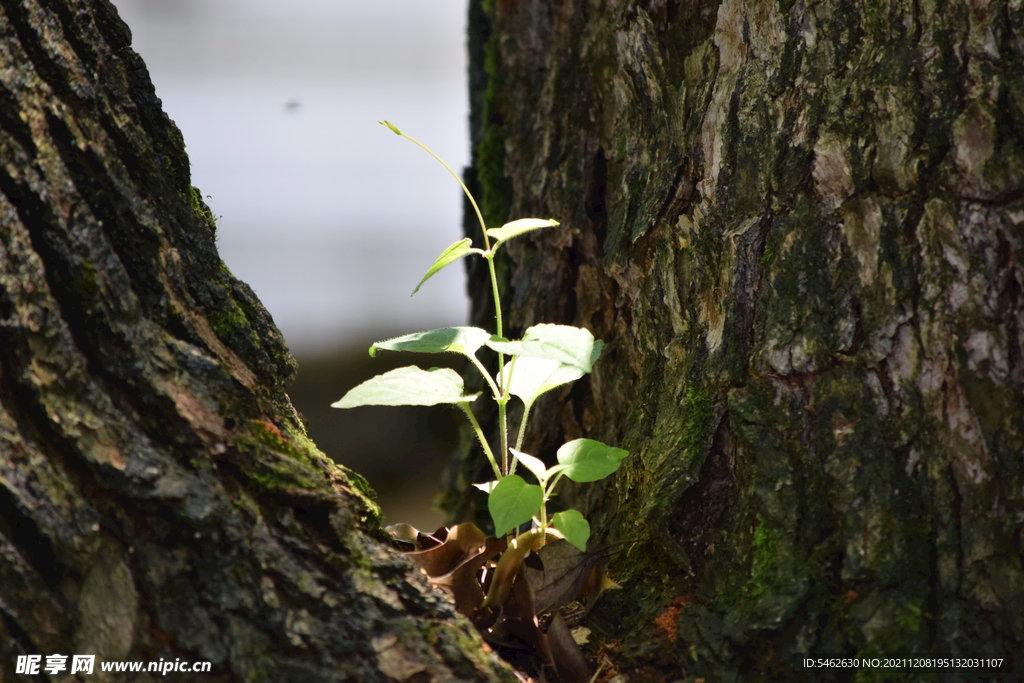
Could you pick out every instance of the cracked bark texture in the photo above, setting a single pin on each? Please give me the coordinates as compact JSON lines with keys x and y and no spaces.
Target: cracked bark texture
{"x":798,"y":227}
{"x":159,"y":497}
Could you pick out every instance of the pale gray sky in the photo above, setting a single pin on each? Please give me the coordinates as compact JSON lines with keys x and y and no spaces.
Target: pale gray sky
{"x":327,"y":215}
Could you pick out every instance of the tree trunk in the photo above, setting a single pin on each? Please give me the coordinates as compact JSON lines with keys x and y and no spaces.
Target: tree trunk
{"x":798,"y":227}
{"x":159,"y":498}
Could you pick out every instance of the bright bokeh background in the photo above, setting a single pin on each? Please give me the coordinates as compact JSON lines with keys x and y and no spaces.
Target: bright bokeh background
{"x":329,"y":217}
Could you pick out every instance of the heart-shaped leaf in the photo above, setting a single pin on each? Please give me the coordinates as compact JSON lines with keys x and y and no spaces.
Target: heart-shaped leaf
{"x":513,"y":502}
{"x":448,"y":256}
{"x":510,"y":230}
{"x":529,"y":377}
{"x":573,"y":526}
{"x":589,"y":460}
{"x":408,"y":386}
{"x":564,"y":343}
{"x":464,"y":340}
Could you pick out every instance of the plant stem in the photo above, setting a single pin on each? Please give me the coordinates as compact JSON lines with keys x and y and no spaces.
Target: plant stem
{"x":487,"y":376}
{"x":504,"y":432}
{"x":482,"y":438}
{"x":503,"y":426}
{"x":522,"y":426}
{"x":479,"y":216}
{"x":503,"y":394}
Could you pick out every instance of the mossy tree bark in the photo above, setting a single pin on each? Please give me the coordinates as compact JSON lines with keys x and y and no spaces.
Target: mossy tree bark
{"x":799,"y":229}
{"x":159,"y":498}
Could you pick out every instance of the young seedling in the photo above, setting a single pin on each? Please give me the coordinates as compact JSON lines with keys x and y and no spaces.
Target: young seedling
{"x":547,"y":356}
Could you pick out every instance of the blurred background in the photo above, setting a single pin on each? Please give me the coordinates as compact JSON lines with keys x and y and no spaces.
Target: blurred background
{"x":328,"y":216}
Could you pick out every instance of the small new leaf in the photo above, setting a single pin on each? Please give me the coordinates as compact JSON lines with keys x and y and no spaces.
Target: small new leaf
{"x":448,"y":256}
{"x":513,"y":502}
{"x":573,"y":526}
{"x":535,"y":465}
{"x":515,"y":228}
{"x":409,"y":386}
{"x":589,"y":460}
{"x":390,"y":126}
{"x":464,"y":340}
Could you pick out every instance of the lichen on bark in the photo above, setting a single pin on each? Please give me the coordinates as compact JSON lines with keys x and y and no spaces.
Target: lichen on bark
{"x":159,"y":496}
{"x":812,"y":216}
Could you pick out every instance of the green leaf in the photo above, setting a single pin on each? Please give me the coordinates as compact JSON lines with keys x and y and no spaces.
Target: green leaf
{"x":535,"y":465}
{"x":390,"y":126}
{"x":589,"y":460}
{"x":573,"y":526}
{"x":409,"y":386}
{"x":464,"y":340}
{"x":510,"y":230}
{"x":448,"y":256}
{"x":513,"y":502}
{"x":567,"y":344}
{"x":531,"y":377}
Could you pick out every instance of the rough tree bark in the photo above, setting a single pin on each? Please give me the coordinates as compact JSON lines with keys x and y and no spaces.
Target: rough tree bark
{"x":799,"y":228}
{"x":158,"y":495}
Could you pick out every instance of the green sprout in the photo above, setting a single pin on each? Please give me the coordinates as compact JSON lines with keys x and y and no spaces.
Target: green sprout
{"x":547,"y":356}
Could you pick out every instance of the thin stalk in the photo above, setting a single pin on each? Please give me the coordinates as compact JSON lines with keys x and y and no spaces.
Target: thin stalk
{"x":479,"y":216}
{"x":550,"y":488}
{"x":522,"y":427}
{"x":494,"y":291}
{"x":503,"y":395}
{"x":501,"y":368}
{"x":544,"y":518}
{"x":504,"y":433}
{"x":482,"y":438}
{"x":487,"y":376}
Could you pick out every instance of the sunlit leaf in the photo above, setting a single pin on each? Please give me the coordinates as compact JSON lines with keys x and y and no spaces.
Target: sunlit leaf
{"x":573,"y":526}
{"x":448,"y":256}
{"x":535,"y":465}
{"x":510,"y":230}
{"x":408,"y":386}
{"x":531,"y":377}
{"x":589,"y":460}
{"x":488,"y":487}
{"x":513,"y":502}
{"x":464,"y":340}
{"x":564,"y":343}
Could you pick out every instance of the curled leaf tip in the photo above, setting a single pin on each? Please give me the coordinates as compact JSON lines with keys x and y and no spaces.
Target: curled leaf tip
{"x":392,"y":127}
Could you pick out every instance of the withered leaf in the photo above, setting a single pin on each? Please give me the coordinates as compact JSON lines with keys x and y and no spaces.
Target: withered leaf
{"x":407,"y":538}
{"x":463,"y":543}
{"x":464,"y":581}
{"x":565,"y":572}
{"x":406,"y":533}
{"x":509,"y":564}
{"x":569,"y":661}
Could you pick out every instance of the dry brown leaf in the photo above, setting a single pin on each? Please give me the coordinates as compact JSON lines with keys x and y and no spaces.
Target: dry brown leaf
{"x":565,"y":573}
{"x":463,"y":542}
{"x":566,"y":654}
